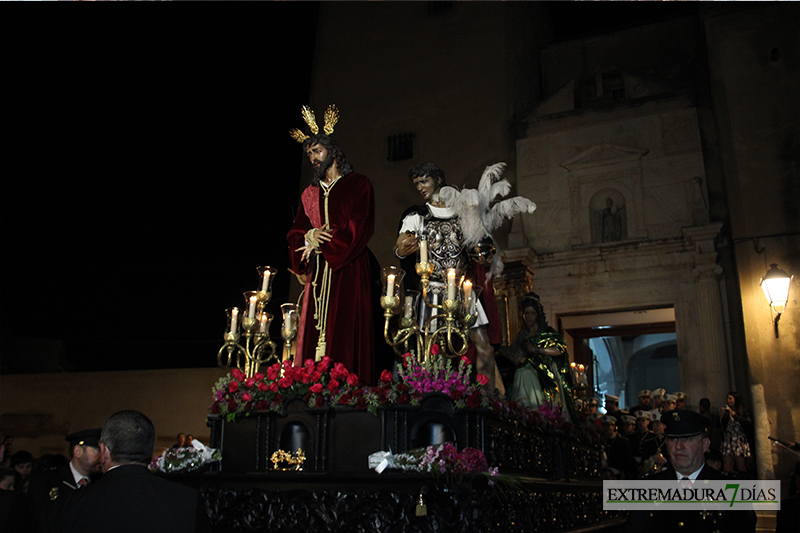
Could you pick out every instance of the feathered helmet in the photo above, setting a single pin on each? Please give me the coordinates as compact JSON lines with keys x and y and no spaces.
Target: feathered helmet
{"x":331,"y":118}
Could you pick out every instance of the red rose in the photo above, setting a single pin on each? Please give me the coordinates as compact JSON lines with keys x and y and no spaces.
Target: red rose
{"x":237,"y":374}
{"x":263,"y":405}
{"x":361,"y":403}
{"x":315,"y":376}
{"x":403,"y":399}
{"x":246,"y":397}
{"x":474,"y":400}
{"x":234,"y":386}
{"x":263,"y":387}
{"x":259,"y":376}
{"x":402,"y":387}
{"x":435,"y":349}
{"x":318,"y":403}
{"x":285,"y":382}
{"x":249,"y":382}
{"x":274,"y":372}
{"x":483,"y":380}
{"x":316,"y":388}
{"x":309,"y":363}
{"x":277,"y":399}
{"x":215,"y":408}
{"x":273,"y":387}
{"x":345,"y":399}
{"x":386,"y":376}
{"x":456,"y":394}
{"x":352,"y":380}
{"x":333,"y":385}
{"x":231,"y":405}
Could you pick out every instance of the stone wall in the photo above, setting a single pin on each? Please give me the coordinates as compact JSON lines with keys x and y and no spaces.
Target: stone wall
{"x":39,"y":410}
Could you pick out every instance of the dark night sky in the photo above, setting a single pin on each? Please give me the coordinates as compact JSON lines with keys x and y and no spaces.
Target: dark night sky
{"x":146,"y":173}
{"x":147,"y":170}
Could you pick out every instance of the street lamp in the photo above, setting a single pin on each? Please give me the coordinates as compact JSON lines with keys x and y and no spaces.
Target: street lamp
{"x":775,"y":285}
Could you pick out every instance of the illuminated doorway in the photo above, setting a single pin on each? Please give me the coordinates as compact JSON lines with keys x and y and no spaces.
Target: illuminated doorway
{"x":625,"y":352}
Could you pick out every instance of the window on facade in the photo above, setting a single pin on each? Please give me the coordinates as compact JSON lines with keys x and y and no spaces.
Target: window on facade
{"x":400,"y":146}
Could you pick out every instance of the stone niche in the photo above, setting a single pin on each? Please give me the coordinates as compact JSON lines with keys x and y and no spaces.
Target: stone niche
{"x":648,"y":161}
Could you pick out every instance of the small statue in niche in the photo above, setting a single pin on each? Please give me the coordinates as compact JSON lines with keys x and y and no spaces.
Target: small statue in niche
{"x":611,"y":226}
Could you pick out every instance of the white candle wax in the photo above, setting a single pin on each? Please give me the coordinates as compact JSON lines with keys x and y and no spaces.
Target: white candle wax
{"x":234,"y":319}
{"x":390,"y":285}
{"x":263,"y":325}
{"x":251,"y":311}
{"x":468,"y":294}
{"x":423,"y":250}
{"x":265,"y":283}
{"x":409,"y":306}
{"x":451,"y":284}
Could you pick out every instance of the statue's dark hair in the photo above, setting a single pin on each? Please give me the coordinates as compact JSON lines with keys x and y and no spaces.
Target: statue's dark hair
{"x":532,"y":300}
{"x":428,"y":169}
{"x":333,"y":149}
{"x":130,"y":437}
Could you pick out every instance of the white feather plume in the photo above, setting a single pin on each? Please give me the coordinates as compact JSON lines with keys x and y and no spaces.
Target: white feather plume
{"x":478,"y":216}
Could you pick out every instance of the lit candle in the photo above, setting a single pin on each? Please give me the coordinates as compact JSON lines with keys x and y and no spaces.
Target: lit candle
{"x":262,"y":327}
{"x":234,"y":319}
{"x":423,"y":250}
{"x":265,"y":283}
{"x":390,"y":285}
{"x":409,"y":306}
{"x":468,"y":293}
{"x":251,"y":311}
{"x":451,"y":284}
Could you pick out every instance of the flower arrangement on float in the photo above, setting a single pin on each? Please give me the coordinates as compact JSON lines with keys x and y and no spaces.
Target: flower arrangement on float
{"x":329,"y":384}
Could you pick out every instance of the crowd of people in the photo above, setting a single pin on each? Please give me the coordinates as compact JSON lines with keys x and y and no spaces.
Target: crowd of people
{"x":104,"y":485}
{"x":636,"y":442}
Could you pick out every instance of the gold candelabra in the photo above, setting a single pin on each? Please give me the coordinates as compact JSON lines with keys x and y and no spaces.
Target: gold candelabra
{"x":254,"y":324}
{"x":449,"y":323}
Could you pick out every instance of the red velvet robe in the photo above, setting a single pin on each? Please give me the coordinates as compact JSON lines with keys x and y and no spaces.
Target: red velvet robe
{"x":349,"y":336}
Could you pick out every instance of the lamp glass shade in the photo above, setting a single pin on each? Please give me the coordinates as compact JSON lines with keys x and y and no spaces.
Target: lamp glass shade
{"x":775,"y":285}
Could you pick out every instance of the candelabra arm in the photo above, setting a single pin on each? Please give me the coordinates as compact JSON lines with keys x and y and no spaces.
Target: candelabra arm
{"x":234,"y":351}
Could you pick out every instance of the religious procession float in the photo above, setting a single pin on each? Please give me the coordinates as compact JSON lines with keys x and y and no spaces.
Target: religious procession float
{"x":428,"y":448}
{"x":299,"y":442}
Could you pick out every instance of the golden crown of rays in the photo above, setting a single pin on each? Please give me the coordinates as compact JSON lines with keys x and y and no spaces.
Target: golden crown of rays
{"x":331,"y":118}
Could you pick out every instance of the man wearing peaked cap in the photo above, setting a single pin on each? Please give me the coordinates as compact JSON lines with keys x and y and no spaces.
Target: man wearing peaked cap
{"x":687,"y":442}
{"x":644,"y":402}
{"x":657,"y":398}
{"x":669,"y":402}
{"x":50,"y":489}
{"x":680,"y":400}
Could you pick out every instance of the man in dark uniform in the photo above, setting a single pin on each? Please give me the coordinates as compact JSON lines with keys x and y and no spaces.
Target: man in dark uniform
{"x":130,"y":498}
{"x":644,"y":402}
{"x":687,"y":442}
{"x":51,"y":488}
{"x":618,"y":451}
{"x":654,"y":446}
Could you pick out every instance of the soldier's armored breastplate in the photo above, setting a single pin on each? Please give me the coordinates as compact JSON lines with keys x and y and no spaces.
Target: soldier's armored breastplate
{"x":445,"y":245}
